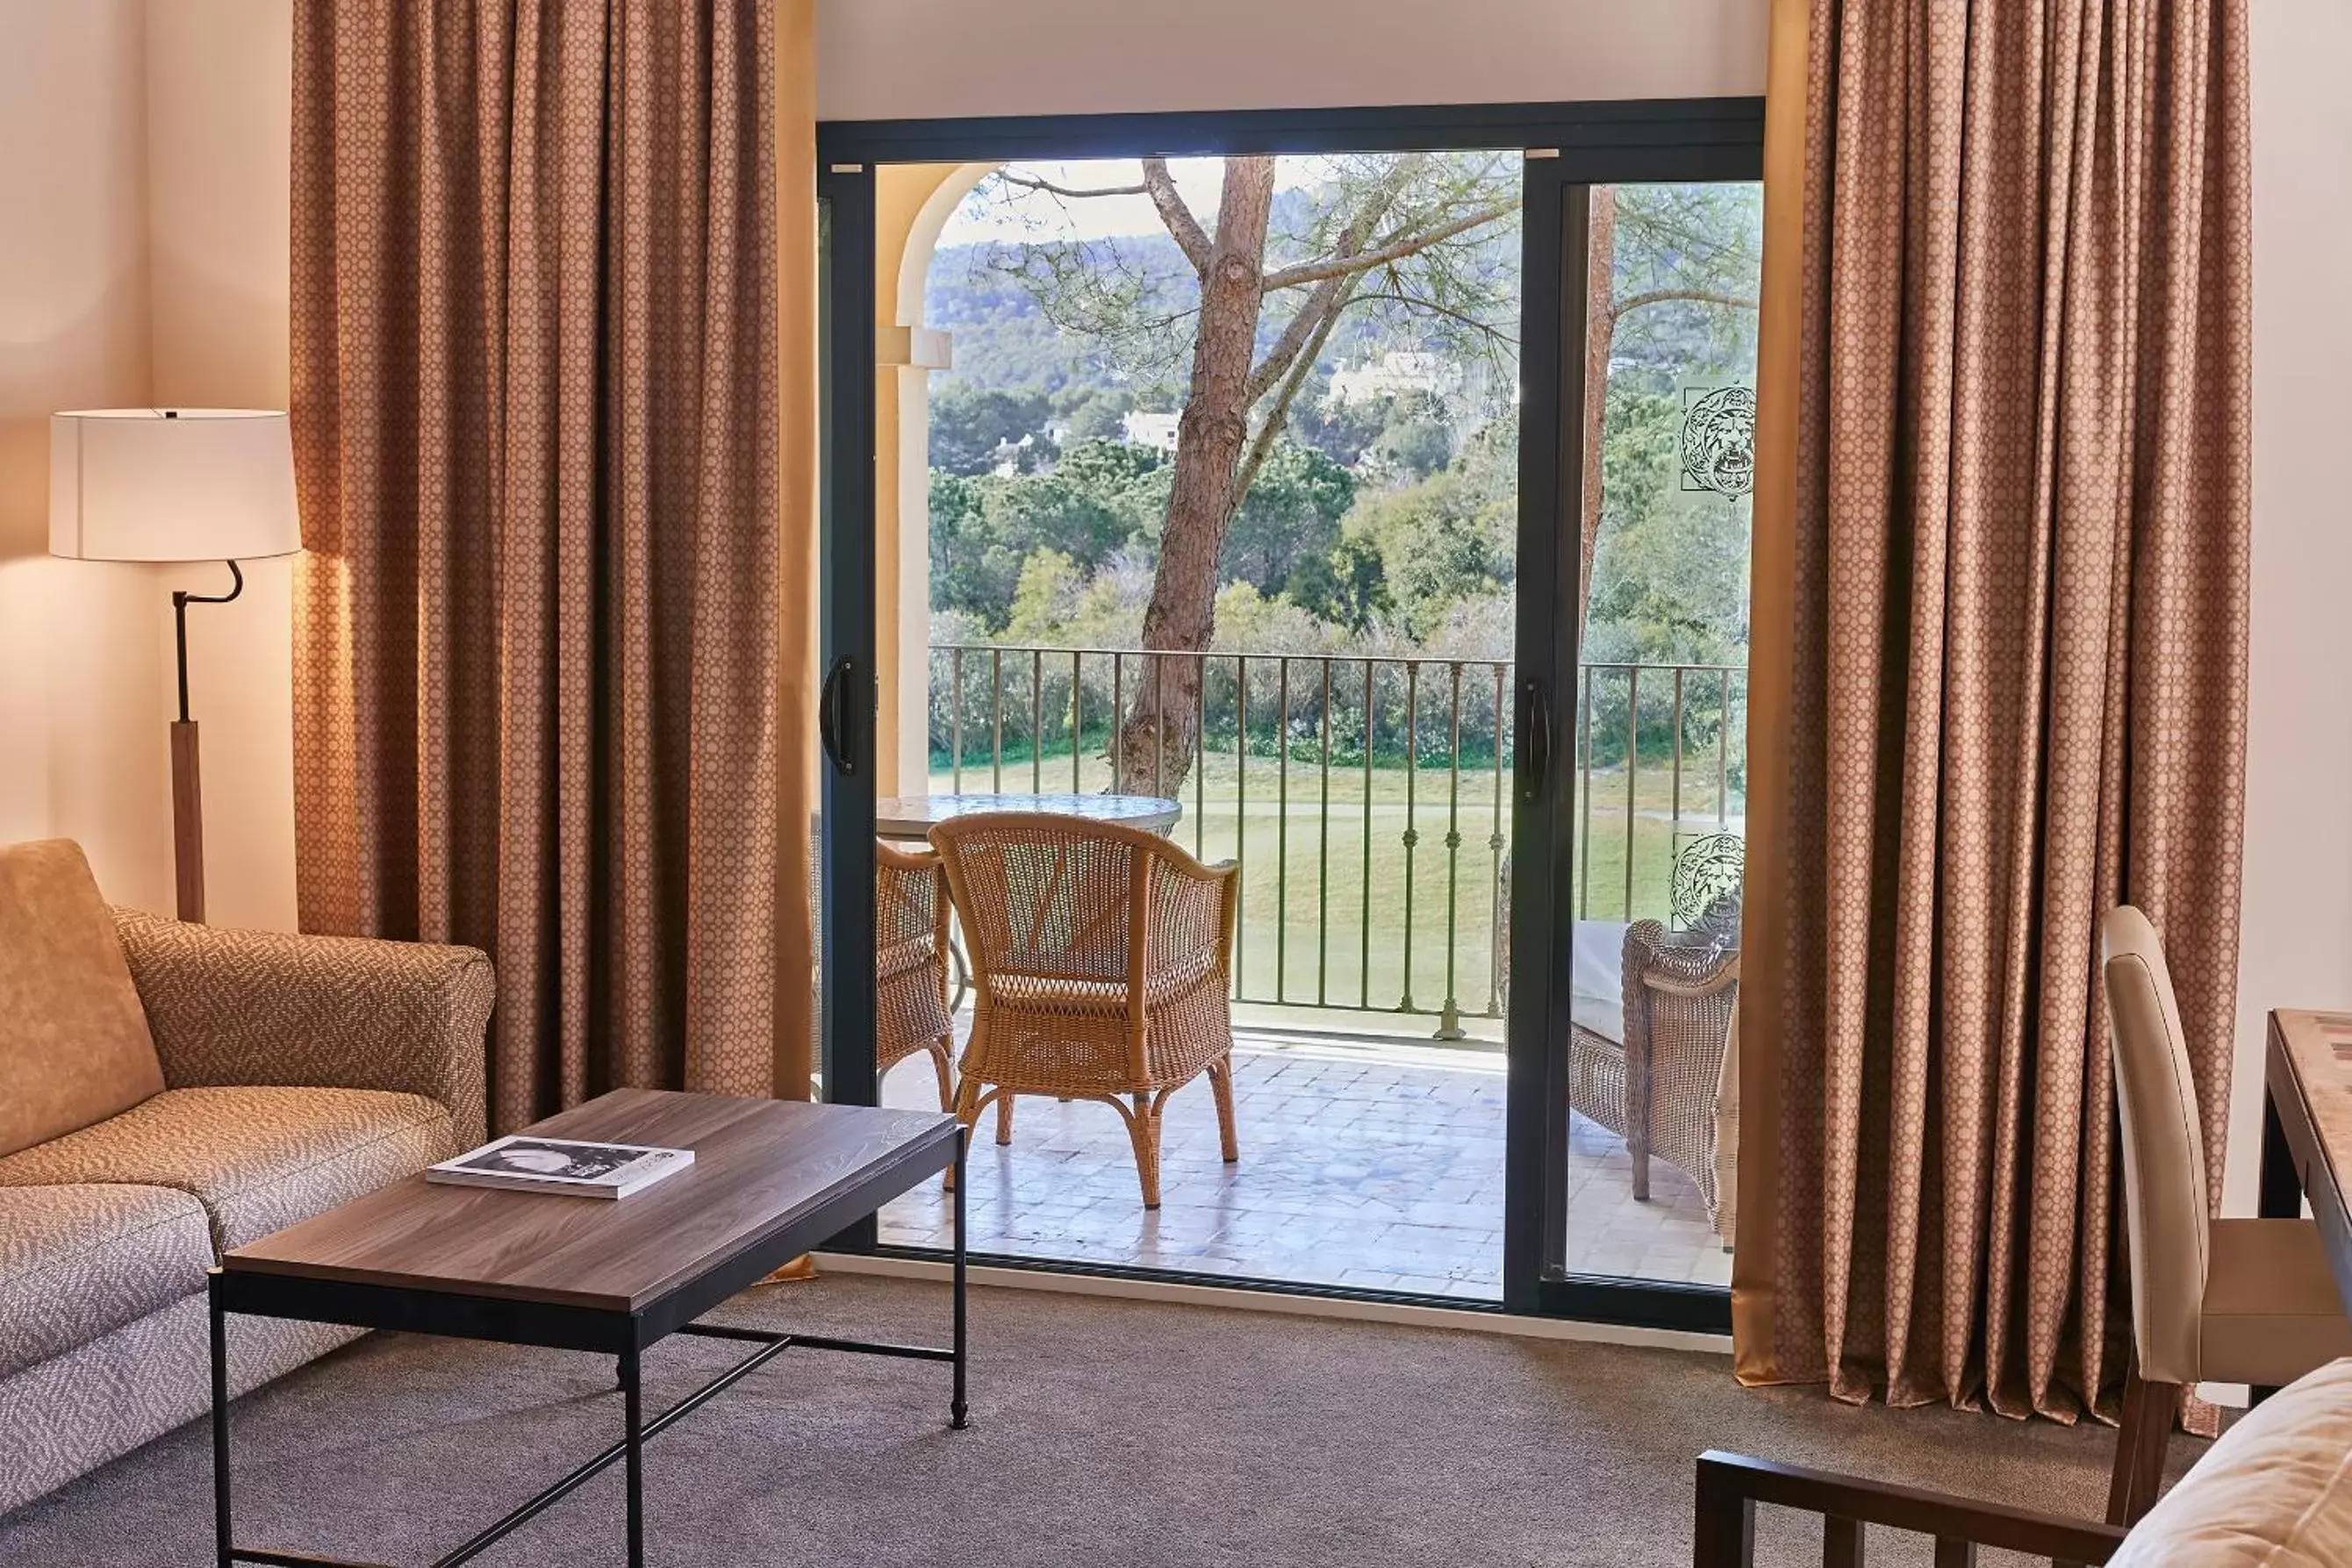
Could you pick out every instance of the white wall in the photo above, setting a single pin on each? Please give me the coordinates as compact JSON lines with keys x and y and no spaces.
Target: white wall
{"x":143,"y":175}
{"x":881,"y":59}
{"x":80,"y":643}
{"x":219,"y":139}
{"x":2297,"y":942}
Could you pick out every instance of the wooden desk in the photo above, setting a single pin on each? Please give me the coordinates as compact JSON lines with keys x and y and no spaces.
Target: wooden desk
{"x":2307,"y":1130}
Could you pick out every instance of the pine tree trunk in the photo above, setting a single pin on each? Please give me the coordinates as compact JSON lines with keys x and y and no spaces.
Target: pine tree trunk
{"x":1154,"y":746}
{"x":1600,"y":341}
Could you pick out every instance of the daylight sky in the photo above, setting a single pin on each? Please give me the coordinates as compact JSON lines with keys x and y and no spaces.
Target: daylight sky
{"x":1034,"y":214}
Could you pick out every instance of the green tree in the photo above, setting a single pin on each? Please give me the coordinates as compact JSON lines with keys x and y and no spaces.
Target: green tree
{"x":1441,"y":540}
{"x":1132,"y":481}
{"x":1096,"y":414}
{"x":1347,"y":586}
{"x":1290,"y":517}
{"x":968,"y":425}
{"x":1683,"y":268}
{"x":984,"y":530}
{"x":1343,"y":432}
{"x":1450,"y":536}
{"x":1640,"y":460}
{"x":1249,"y":621}
{"x":1419,"y":447}
{"x":959,"y":542}
{"x":1669,"y":570}
{"x":1050,"y":511}
{"x":1043,"y":597}
{"x":1399,"y":233}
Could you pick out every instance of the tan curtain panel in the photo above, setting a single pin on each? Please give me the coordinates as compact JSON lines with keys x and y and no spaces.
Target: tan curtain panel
{"x":797,"y":790}
{"x":536,"y":427}
{"x":2014,"y":635}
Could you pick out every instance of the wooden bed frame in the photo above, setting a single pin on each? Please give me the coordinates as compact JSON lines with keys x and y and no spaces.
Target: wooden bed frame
{"x":1731,"y":1485}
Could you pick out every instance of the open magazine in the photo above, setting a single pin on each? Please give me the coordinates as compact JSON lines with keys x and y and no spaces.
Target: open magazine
{"x":527,"y":1164}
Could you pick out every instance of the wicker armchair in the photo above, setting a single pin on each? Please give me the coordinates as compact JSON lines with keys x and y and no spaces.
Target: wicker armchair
{"x":910,"y":963}
{"x":1671,"y":1089}
{"x":1101,"y":957}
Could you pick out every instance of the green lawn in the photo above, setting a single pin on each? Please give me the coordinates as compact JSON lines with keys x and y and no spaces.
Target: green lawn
{"x":1317,"y":878}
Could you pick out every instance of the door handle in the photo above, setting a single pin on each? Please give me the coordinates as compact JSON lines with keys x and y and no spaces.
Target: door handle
{"x":835,"y":717}
{"x":1535,"y":729}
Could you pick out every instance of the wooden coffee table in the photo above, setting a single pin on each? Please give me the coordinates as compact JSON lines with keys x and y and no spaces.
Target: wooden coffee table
{"x":771,"y":1180}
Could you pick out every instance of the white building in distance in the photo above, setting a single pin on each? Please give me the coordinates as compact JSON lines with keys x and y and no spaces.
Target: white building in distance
{"x":1400,"y":372}
{"x":1138,"y":428}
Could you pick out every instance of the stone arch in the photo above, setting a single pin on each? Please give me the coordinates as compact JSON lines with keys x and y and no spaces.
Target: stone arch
{"x":912,"y":204}
{"x":955,"y":181}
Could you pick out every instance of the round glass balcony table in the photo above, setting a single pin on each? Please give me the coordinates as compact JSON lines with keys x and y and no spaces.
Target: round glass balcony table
{"x":906,"y":817}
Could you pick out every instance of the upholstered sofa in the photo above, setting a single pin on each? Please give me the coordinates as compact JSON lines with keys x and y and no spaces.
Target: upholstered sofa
{"x":167,"y":1091}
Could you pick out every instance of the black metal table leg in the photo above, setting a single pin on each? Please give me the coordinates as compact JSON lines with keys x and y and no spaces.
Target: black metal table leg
{"x":221,"y":1537}
{"x":957,"y":1409}
{"x":633,"y":1420}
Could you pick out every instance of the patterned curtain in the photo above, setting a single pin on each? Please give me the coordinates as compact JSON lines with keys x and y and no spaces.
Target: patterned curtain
{"x":2015,"y":672}
{"x":536,"y":430}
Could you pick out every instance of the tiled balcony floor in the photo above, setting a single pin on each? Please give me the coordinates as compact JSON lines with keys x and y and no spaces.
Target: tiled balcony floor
{"x":1377,"y":1165}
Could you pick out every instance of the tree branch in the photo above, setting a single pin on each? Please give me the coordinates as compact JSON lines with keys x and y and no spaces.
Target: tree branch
{"x":1662,"y":296}
{"x":1330,"y":295}
{"x":1182,"y":226}
{"x":1278,"y":417}
{"x":1415,"y":302}
{"x":1312,"y":320}
{"x":1340,"y":266}
{"x":1030,"y":183}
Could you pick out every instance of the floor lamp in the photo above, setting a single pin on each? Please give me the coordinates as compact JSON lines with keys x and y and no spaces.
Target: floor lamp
{"x":175,"y":485}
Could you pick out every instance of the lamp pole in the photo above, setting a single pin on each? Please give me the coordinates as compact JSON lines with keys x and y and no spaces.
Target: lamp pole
{"x":187,"y":792}
{"x":178,"y":486}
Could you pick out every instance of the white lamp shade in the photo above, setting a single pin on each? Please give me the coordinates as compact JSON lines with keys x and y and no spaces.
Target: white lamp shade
{"x":189,"y":484}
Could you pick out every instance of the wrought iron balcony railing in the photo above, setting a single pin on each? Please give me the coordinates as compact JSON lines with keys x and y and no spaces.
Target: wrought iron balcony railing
{"x":1366,"y":796}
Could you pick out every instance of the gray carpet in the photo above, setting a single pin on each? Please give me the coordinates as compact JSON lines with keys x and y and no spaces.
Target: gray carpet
{"x":1105,"y":1433}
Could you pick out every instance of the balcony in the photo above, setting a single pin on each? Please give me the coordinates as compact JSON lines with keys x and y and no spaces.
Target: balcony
{"x":1366,"y":800}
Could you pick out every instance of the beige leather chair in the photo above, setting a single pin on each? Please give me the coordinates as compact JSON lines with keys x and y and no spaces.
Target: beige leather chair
{"x":2223,"y":1301}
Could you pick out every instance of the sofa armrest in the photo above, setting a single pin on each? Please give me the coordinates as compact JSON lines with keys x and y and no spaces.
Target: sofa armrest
{"x":331,"y":1012}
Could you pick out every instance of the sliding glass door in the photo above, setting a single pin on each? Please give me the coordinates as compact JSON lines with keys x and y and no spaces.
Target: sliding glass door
{"x":1393,"y":733}
{"x":1637,"y":452}
{"x":842,"y":882}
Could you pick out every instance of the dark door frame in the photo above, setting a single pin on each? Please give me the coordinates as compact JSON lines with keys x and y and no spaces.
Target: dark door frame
{"x":1556,"y":230}
{"x":1577,"y":145}
{"x":847,"y":701}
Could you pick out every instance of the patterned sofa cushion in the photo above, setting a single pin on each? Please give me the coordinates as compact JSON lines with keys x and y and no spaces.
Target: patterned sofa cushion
{"x":76,"y":1262}
{"x":259,"y":1159}
{"x":74,"y":1043}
